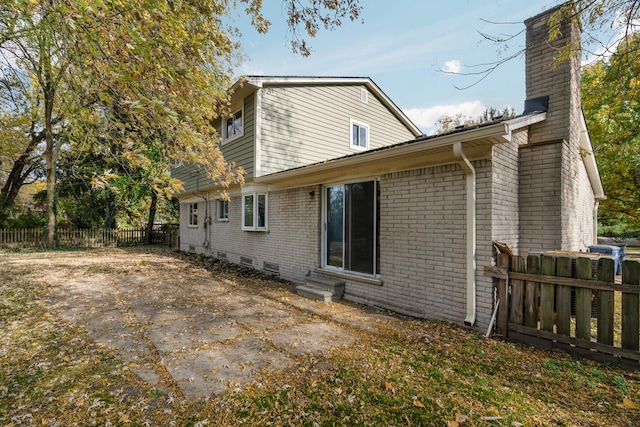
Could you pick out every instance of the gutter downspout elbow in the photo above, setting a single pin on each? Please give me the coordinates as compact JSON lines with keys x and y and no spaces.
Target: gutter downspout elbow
{"x":467,"y":167}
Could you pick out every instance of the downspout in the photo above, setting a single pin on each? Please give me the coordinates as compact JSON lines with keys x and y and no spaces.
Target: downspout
{"x":466,"y":165}
{"x":596,"y":205}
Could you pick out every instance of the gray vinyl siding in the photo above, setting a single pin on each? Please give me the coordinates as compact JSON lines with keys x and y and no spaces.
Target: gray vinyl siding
{"x":193,"y":177}
{"x":309,"y":124}
{"x":240,"y":150}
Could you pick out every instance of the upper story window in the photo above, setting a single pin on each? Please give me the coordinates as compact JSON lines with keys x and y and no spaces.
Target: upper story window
{"x":193,"y":214}
{"x":359,"y":135}
{"x":234,"y":125}
{"x":222,"y":210}
{"x":254,"y":211}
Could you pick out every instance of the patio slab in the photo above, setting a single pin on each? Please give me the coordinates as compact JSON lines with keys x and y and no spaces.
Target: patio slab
{"x":205,"y":338}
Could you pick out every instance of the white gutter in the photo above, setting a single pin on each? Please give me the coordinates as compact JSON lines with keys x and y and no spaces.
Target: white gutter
{"x":466,"y":165}
{"x":589,"y":160}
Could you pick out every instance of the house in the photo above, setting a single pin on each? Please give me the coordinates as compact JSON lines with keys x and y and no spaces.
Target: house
{"x":341,"y":185}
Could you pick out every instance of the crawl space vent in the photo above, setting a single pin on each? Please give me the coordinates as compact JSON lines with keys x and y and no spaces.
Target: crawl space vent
{"x":271,"y":267}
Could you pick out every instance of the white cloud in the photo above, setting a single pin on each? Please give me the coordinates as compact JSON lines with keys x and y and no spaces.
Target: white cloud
{"x":425,"y":118}
{"x":247,"y":69}
{"x":454,"y":66}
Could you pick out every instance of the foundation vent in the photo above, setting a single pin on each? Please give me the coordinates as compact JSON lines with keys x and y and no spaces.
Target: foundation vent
{"x":271,"y":267}
{"x":246,"y":261}
{"x":192,"y":248}
{"x":221,"y":255}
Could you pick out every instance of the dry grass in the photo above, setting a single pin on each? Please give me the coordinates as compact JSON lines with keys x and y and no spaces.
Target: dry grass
{"x":421,"y":373}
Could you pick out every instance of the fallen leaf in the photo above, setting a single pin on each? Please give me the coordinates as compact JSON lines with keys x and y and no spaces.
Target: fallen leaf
{"x":338,"y":391}
{"x":451,"y":423}
{"x":461,"y":418}
{"x":389,"y":387}
{"x":418,"y":404}
{"x":630,"y":404}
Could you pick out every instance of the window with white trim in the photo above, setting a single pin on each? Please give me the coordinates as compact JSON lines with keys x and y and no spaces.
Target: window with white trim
{"x":234,"y":125}
{"x":193,"y":214}
{"x":359,"y":135}
{"x":254,"y":211}
{"x":222,"y":210}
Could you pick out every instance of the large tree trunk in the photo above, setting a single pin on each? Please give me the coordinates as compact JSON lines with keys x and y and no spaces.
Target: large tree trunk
{"x":152,"y":217}
{"x":51,"y":157}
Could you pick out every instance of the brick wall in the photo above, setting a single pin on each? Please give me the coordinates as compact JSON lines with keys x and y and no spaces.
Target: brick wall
{"x":423,"y":245}
{"x":505,"y":198}
{"x":291,"y":242}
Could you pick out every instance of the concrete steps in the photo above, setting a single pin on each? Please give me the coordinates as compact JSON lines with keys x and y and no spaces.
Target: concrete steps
{"x":321,"y":288}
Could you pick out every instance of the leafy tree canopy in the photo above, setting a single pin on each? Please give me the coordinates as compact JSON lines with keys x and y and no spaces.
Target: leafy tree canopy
{"x":145,"y":78}
{"x":611,"y":103}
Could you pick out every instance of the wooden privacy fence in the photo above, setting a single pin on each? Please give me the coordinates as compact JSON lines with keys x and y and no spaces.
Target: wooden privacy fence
{"x":165,"y":234}
{"x":571,"y":303}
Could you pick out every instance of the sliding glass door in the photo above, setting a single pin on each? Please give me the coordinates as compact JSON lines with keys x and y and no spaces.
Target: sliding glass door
{"x":351,"y":237}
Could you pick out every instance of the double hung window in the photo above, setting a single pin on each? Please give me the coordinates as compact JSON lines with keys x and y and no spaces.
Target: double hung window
{"x":351,"y":237}
{"x":222,"y":210}
{"x":193,"y":214}
{"x":234,"y":125}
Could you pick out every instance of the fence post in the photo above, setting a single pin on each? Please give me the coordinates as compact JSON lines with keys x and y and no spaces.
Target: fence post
{"x":547,"y":294}
{"x":502,"y":321}
{"x":630,"y":306}
{"x":583,"y":300}
{"x":532,"y":293}
{"x":563,"y":307}
{"x":516,"y":301}
{"x":606,"y":273}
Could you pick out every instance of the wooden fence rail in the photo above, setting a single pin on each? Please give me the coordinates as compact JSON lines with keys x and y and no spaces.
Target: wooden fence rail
{"x":571,"y":303}
{"x":90,"y":238}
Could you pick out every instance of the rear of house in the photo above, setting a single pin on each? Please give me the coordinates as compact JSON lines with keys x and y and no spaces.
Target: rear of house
{"x":340,"y":184}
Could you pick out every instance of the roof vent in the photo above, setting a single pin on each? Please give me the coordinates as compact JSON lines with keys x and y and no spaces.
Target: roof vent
{"x":364,"y":95}
{"x":536,"y":104}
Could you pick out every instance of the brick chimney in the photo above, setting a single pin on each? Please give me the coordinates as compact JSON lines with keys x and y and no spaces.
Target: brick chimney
{"x":545,"y":76}
{"x":556,"y":206}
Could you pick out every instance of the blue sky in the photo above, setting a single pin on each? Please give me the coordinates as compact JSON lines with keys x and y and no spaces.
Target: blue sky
{"x":403,"y":46}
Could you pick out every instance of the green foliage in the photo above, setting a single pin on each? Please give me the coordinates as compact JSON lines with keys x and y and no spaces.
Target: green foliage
{"x":25,"y":219}
{"x":139,"y":82}
{"x":611,"y":103}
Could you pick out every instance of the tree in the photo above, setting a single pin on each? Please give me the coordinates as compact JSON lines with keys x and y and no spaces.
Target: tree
{"x":446,"y":123}
{"x":611,"y":103}
{"x":21,"y":137}
{"x":164,"y":66}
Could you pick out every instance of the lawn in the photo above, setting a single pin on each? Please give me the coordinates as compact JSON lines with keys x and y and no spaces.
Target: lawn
{"x":424,"y":373}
